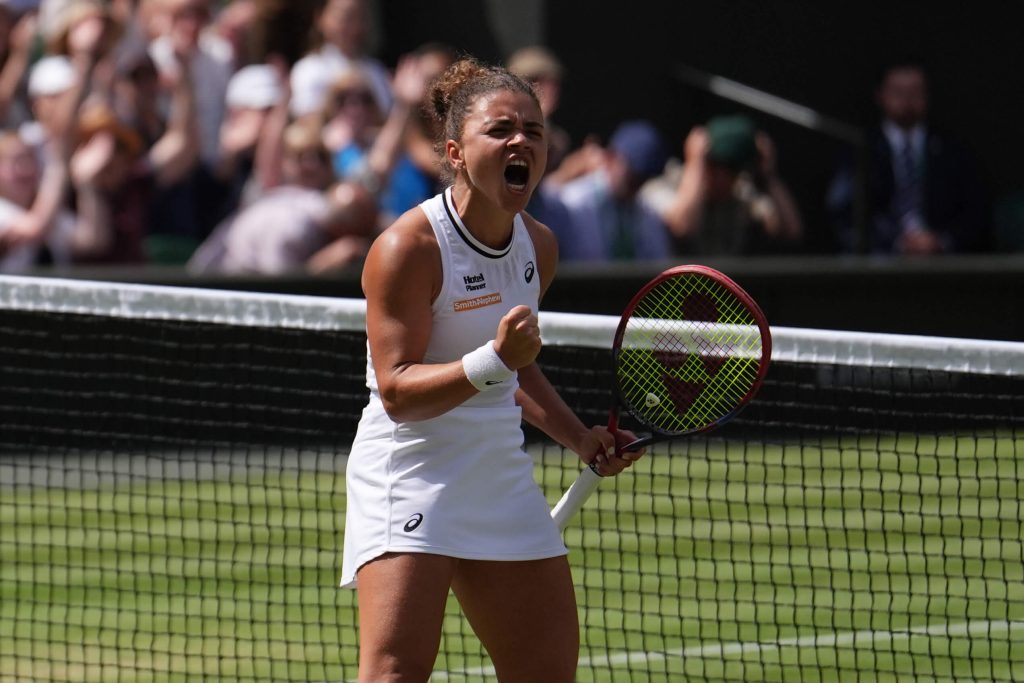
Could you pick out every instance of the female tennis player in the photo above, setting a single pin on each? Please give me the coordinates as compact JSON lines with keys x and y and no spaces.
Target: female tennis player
{"x":440,"y":491}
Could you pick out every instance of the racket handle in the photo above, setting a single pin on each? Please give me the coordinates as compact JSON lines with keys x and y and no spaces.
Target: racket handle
{"x":575,"y":496}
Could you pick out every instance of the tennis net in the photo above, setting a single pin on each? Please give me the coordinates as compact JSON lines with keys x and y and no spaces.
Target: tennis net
{"x":172,"y":500}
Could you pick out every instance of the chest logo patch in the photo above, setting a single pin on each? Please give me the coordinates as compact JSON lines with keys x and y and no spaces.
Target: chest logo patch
{"x":530,"y":270}
{"x":474,"y":282}
{"x":477,"y":302}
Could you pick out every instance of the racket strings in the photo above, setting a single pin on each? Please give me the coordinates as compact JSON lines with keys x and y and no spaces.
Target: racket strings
{"x":691,"y":353}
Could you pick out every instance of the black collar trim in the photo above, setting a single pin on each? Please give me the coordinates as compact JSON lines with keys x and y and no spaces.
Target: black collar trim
{"x":467,"y":237}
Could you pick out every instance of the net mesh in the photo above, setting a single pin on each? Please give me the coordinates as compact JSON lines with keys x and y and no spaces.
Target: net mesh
{"x":172,"y":500}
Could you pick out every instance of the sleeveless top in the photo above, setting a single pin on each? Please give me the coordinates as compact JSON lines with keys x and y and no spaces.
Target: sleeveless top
{"x":459,"y":484}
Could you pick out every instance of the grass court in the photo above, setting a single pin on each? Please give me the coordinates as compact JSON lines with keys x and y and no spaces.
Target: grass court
{"x":882,"y":559}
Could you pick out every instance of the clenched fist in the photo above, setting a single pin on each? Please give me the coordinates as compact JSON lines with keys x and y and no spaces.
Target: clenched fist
{"x":518,"y":338}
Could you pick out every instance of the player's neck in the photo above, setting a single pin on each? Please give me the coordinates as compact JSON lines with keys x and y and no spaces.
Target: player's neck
{"x":487,"y":222}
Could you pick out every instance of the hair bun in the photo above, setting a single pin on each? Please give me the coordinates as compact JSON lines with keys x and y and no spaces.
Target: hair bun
{"x":449,"y":83}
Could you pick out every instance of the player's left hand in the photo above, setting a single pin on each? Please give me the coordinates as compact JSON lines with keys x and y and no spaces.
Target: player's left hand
{"x":605,"y":450}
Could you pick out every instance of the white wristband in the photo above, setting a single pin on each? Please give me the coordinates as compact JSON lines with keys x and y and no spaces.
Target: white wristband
{"x":484,"y":368}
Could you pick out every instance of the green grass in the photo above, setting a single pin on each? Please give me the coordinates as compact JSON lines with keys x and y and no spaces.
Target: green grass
{"x":884,"y":560}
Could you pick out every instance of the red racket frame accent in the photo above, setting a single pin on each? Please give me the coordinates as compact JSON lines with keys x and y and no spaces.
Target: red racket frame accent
{"x":589,"y":479}
{"x":739,"y":293}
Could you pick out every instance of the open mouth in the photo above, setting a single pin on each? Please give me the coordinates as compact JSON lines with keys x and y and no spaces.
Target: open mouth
{"x":517,"y":174}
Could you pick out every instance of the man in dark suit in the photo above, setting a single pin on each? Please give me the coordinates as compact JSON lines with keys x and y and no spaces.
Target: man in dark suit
{"x":924,"y":195}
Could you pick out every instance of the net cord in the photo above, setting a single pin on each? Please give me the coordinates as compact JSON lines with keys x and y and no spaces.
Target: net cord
{"x":155,"y":302}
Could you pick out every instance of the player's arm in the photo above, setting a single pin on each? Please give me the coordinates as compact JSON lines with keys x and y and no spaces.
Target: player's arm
{"x":541,"y":404}
{"x":401,"y":278}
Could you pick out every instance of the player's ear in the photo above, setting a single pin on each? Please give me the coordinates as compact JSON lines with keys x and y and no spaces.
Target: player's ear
{"x":453,"y":154}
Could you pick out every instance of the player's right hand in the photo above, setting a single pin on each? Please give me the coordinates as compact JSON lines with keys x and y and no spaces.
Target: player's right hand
{"x":604,"y":451}
{"x":517,"y":342}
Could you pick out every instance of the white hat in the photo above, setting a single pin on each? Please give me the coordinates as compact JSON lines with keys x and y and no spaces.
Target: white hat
{"x":51,"y":75}
{"x":253,"y":87}
{"x":310,"y":80}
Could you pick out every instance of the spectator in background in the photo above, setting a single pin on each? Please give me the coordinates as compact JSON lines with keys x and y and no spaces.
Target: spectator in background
{"x":342,"y":27}
{"x":400,"y":167}
{"x":49,"y":81}
{"x":306,"y":162}
{"x":292,"y":229}
{"x":351,"y":120}
{"x":35,"y":226}
{"x":608,"y":219}
{"x":115,"y":177}
{"x":538,"y":66}
{"x":17,"y":32}
{"x":136,"y":96}
{"x":253,"y":93}
{"x":350,"y":223}
{"x":47,"y":234}
{"x":182,"y":26}
{"x":727,"y":198}
{"x":305,"y":222}
{"x":924,"y":193}
{"x":235,"y":24}
{"x":414,"y":175}
{"x":185,"y":212}
{"x":70,"y":24}
{"x":133,"y":18}
{"x":8,"y":18}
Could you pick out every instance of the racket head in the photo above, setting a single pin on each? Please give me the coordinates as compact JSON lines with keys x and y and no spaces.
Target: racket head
{"x":690,"y":351}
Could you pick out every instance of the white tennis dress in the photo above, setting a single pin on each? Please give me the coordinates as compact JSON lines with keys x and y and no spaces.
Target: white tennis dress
{"x":459,"y":484}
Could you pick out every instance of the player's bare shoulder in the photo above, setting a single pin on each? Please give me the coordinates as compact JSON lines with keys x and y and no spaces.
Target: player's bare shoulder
{"x":406,"y":251}
{"x":543,"y":237}
{"x":545,"y":244}
{"x":410,"y":233}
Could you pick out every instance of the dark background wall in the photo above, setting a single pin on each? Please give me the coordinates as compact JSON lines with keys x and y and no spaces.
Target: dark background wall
{"x":621,"y":59}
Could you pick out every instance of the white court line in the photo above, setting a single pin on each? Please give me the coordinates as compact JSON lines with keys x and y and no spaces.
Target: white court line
{"x":847,"y":639}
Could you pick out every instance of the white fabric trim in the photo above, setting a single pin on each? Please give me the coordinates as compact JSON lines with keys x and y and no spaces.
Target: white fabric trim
{"x":557,"y":329}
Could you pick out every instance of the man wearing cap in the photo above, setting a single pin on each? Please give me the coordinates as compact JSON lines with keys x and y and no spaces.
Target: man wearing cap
{"x":727,"y":199}
{"x":608,"y":219}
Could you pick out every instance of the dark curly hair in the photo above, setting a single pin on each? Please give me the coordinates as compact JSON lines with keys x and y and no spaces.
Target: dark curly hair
{"x":455,"y":91}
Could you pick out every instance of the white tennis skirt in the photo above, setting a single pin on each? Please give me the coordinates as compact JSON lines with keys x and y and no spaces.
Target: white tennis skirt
{"x":459,"y":485}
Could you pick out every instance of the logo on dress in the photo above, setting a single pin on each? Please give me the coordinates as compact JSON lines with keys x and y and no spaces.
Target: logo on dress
{"x":474,"y":282}
{"x":414,"y":522}
{"x":477,"y":302}
{"x":530,"y":269}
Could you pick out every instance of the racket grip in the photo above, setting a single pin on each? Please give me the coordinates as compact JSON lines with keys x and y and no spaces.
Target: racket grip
{"x":575,"y":496}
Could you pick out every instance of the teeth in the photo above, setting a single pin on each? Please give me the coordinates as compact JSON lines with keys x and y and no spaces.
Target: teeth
{"x":518,"y":162}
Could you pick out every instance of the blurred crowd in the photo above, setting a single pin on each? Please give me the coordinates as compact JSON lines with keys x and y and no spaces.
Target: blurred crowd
{"x":144,"y":132}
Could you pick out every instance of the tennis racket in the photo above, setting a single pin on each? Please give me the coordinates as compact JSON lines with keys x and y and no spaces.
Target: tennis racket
{"x":690,"y":351}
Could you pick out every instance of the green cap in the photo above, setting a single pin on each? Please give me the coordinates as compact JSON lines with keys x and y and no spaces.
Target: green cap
{"x":732,"y":140}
